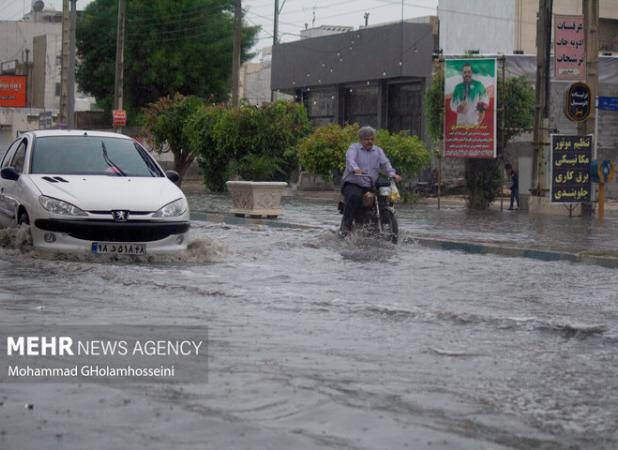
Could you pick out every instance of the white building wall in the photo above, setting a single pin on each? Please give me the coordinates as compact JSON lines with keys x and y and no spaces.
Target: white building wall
{"x":484,"y":25}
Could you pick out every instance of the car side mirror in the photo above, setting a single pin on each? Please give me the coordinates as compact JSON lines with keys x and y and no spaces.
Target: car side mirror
{"x":172,"y":175}
{"x":9,"y":173}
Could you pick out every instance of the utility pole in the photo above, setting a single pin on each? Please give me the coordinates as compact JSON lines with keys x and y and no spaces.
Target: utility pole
{"x":71,"y":68}
{"x":119,"y":77}
{"x":541,"y":112}
{"x":275,"y":37}
{"x":590,"y":8}
{"x":64,"y":65}
{"x":275,"y":42}
{"x":236,"y":55}
{"x":276,"y":24}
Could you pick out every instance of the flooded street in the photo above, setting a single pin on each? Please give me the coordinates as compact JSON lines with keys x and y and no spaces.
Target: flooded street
{"x":316,"y":342}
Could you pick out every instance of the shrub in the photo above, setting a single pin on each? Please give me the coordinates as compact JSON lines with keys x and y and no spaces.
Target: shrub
{"x":323,"y":152}
{"x":258,"y":167}
{"x":250,"y":142}
{"x":407,"y":154}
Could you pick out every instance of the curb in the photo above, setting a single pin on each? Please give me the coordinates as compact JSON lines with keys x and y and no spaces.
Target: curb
{"x":231,"y":219}
{"x":477,"y":248}
{"x":516,"y":252}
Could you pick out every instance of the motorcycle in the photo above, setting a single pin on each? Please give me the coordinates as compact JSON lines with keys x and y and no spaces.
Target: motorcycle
{"x":377,"y":216}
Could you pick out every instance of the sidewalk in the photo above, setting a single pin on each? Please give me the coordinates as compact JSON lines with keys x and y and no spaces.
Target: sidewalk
{"x":452,"y":227}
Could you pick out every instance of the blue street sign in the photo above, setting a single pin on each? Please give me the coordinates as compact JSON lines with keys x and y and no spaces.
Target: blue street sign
{"x":608,"y":103}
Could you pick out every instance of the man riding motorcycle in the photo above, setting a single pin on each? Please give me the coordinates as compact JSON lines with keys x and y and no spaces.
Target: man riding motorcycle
{"x":364,"y":162}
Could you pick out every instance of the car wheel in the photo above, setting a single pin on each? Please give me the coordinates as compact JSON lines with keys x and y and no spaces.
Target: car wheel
{"x":22,"y":218}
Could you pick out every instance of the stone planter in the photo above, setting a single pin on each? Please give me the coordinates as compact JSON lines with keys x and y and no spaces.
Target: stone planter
{"x":256,"y":198}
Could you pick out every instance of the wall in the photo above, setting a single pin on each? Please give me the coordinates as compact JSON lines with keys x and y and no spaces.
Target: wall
{"x":394,"y":51}
{"x":484,"y":25}
{"x":608,"y":9}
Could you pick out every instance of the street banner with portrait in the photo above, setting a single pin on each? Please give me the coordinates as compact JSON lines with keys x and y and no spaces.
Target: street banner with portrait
{"x":470,"y":108}
{"x":570,"y":160}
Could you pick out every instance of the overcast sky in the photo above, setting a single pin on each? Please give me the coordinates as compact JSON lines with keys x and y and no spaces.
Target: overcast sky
{"x":294,"y":15}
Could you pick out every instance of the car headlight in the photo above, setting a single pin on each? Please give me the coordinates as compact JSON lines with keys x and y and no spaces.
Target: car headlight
{"x":55,"y":206}
{"x":173,"y":209}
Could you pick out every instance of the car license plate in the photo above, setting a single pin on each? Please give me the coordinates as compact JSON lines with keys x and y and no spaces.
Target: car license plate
{"x":118,"y":248}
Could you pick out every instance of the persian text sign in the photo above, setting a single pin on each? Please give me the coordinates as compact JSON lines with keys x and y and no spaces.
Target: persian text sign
{"x":570,"y":159}
{"x":12,"y":91}
{"x":569,"y":48}
{"x":469,"y":108}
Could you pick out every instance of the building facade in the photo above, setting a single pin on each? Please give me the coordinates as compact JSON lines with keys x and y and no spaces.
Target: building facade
{"x":374,"y":76}
{"x":33,"y":47}
{"x":506,"y":26}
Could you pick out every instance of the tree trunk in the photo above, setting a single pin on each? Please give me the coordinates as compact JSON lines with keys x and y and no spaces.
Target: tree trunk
{"x":182,"y":161}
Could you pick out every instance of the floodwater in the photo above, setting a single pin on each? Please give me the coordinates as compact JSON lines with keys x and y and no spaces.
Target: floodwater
{"x":315,"y":342}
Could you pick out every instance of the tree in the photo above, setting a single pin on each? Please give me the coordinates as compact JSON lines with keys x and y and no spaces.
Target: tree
{"x":180,"y":46}
{"x":165,"y":120}
{"x":483,"y":175}
{"x":252,"y":142}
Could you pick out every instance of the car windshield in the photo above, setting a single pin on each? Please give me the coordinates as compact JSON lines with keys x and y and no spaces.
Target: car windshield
{"x":91,"y":155}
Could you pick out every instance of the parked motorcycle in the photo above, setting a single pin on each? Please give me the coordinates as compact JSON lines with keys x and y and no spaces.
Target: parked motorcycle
{"x":378,"y":213}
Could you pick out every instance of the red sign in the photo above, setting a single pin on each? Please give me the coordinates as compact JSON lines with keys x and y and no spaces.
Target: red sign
{"x":569,"y":48}
{"x":119,"y":118}
{"x":12,"y":91}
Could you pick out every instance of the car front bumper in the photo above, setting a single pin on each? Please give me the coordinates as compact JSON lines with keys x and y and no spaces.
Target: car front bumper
{"x":159,"y":237}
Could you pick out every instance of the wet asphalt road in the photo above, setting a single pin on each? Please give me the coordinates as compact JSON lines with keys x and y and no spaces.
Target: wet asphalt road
{"x":320,"y":343}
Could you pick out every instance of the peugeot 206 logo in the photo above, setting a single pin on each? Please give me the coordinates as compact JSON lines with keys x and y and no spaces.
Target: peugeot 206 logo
{"x":120,"y":215}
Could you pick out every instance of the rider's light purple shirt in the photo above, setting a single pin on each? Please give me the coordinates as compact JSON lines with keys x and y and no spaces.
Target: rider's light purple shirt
{"x":371,"y":162}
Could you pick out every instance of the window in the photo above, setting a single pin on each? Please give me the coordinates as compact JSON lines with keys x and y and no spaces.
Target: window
{"x":405,"y":108}
{"x":19,"y":157}
{"x":92,"y":155}
{"x":8,"y":156}
{"x":361,"y":105}
{"x":320,"y":105}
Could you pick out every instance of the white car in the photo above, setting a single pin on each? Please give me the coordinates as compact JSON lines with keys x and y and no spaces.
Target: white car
{"x":90,"y":191}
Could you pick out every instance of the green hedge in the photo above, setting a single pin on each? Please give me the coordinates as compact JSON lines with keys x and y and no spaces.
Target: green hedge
{"x":323,"y":152}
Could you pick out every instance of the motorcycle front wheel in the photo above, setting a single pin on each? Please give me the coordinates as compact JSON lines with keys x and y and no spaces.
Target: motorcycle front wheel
{"x":390,"y":228}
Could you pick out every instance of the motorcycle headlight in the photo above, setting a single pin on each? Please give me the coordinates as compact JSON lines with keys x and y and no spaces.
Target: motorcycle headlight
{"x":173,"y":209}
{"x":385,"y":191}
{"x":55,"y":206}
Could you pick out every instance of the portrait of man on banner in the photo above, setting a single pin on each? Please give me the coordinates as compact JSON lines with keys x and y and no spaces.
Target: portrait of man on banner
{"x":469,"y":108}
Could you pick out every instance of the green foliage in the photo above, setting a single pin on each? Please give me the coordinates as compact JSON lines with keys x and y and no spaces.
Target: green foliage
{"x":518,"y":101}
{"x":434,"y":106}
{"x":323,"y":152}
{"x":407,"y":154}
{"x":482,"y":182}
{"x":206,"y":130}
{"x":250,"y":142}
{"x":258,"y":167}
{"x":171,"y":46}
{"x":165,"y":120}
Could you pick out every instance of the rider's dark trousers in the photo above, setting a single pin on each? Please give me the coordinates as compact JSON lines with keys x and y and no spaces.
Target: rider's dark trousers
{"x":353,"y":198}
